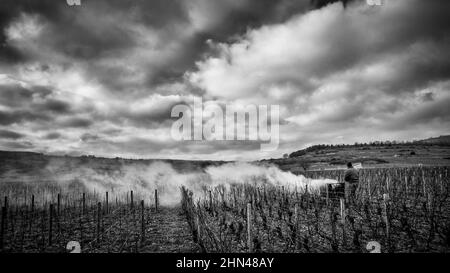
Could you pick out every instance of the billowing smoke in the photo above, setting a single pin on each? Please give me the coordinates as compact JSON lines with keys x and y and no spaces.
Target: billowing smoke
{"x":144,"y":179}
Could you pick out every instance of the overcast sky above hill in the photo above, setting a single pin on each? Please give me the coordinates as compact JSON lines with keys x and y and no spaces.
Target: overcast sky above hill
{"x":102,"y":78}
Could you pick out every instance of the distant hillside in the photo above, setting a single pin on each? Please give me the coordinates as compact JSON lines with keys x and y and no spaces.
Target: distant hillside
{"x":445,"y":140}
{"x":432,"y":151}
{"x":441,"y":140}
{"x":34,"y":164}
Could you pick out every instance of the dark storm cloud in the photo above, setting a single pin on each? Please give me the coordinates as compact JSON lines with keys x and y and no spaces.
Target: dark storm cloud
{"x":30,"y":104}
{"x":55,"y":106}
{"x":10,"y":134}
{"x":10,"y":9}
{"x":101,"y":30}
{"x":14,"y":95}
{"x":89,"y":137}
{"x":18,"y":116}
{"x":52,"y":136}
{"x":75,"y":122}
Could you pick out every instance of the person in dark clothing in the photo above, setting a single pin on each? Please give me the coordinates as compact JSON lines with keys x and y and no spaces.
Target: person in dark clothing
{"x":351,"y":179}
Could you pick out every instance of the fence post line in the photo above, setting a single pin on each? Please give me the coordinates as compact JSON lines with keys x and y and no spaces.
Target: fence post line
{"x":249,"y":227}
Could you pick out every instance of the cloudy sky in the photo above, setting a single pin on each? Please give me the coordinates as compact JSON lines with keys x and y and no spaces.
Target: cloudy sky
{"x":103,"y":77}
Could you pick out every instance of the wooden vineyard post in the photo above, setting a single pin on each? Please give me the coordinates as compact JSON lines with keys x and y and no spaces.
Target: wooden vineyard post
{"x":99,"y":206}
{"x":156,"y":200}
{"x":210,"y":200}
{"x":32,"y":203}
{"x":84,"y":203}
{"x":424,"y":185}
{"x":328,"y":196}
{"x":342,"y":203}
{"x":296,"y":225}
{"x":58,"y":204}
{"x":131,"y":199}
{"x":2,"y":229}
{"x":249,"y":227}
{"x":81,"y":227}
{"x":307,"y":197}
{"x":386,"y":216}
{"x":50,"y":225}
{"x":199,"y":233}
{"x":106,"y":203}
{"x":387,"y":184}
{"x":142,"y":221}
{"x":406,"y":185}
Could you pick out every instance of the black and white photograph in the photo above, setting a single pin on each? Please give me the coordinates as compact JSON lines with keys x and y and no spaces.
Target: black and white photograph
{"x":238,"y":127}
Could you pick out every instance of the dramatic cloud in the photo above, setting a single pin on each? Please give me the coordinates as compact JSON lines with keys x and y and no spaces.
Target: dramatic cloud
{"x":343,"y":72}
{"x":10,"y":134}
{"x":103,"y":77}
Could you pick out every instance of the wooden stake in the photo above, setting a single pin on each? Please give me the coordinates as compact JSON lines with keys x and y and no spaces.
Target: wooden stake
{"x":99,"y":206}
{"x":386,"y":216}
{"x":84,"y":203}
{"x":142,"y":221}
{"x":199,"y":234}
{"x":296,"y":224}
{"x":131,"y":199}
{"x":59,"y":204}
{"x":3,"y":228}
{"x":156,"y":200}
{"x":342,"y":202}
{"x":50,"y":225}
{"x":406,"y":185}
{"x":210,"y":200}
{"x":106,"y":205}
{"x":249,"y":227}
{"x":424,"y":185}
{"x":32,"y":203}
